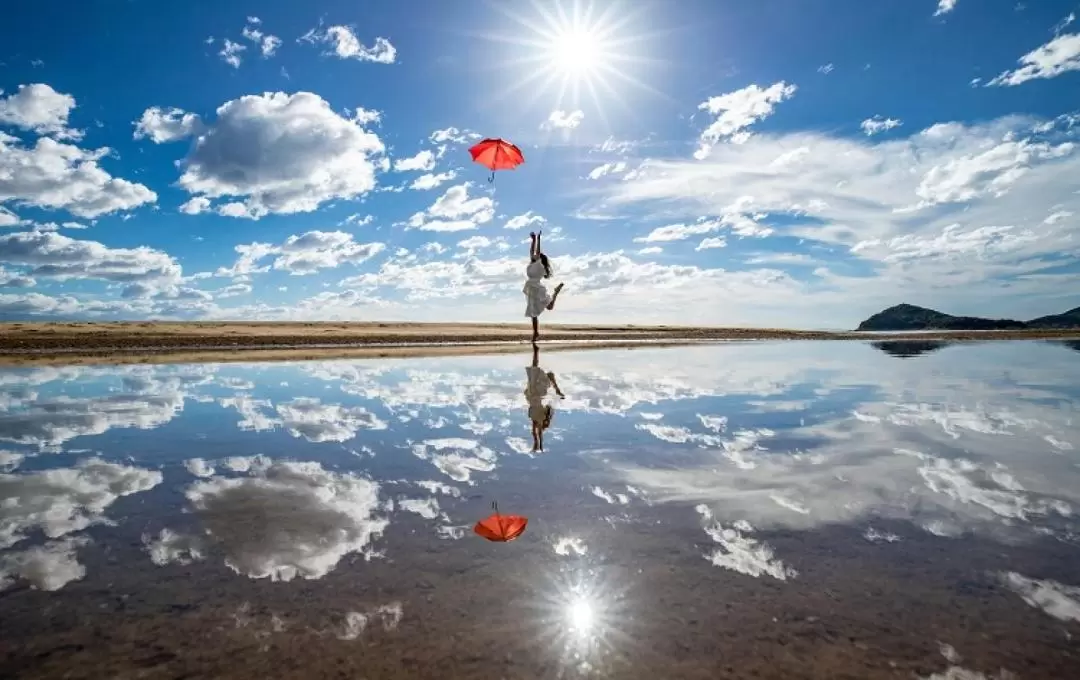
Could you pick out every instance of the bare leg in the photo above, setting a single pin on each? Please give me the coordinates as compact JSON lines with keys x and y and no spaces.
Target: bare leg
{"x":555,"y":295}
{"x":536,"y":355}
{"x":536,"y":329}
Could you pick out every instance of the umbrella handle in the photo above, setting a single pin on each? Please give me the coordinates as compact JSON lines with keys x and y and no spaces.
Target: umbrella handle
{"x":491,"y":180}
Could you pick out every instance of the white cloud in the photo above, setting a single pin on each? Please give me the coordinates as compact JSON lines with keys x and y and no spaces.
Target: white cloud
{"x":876,"y":124}
{"x":166,"y":125}
{"x":230,"y":53}
{"x":563,"y":120}
{"x":8,"y":218}
{"x":170,"y":547}
{"x":1060,"y":55}
{"x":454,"y":211}
{"x":61,"y":176}
{"x":268,"y":44}
{"x":715,"y":242}
{"x":53,"y":255}
{"x":195,"y":205}
{"x":282,"y":154}
{"x":607,"y":169}
{"x":318,"y":422}
{"x":736,"y":111}
{"x":651,"y":250}
{"x":302,"y":254}
{"x":41,"y":109}
{"x":526,"y":220}
{"x":345,"y":45}
{"x":845,"y":191}
{"x":329,"y":516}
{"x":453,"y":135}
{"x":826,"y":69}
{"x":423,"y":161}
{"x":432,"y":181}
{"x":944,"y":7}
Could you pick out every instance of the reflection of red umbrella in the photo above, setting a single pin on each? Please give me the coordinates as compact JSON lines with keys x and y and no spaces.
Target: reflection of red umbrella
{"x":501,"y":528}
{"x":496,"y":154}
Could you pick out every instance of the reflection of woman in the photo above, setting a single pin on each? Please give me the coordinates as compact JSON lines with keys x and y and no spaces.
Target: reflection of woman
{"x":536,"y":388}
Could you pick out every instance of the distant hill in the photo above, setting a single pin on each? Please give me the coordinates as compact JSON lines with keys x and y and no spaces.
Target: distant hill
{"x":905,"y":317}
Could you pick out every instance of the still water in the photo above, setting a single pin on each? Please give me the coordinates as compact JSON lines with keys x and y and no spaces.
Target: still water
{"x":772,"y":510}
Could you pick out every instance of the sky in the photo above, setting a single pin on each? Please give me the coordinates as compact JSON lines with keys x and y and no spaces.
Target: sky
{"x":781,"y":163}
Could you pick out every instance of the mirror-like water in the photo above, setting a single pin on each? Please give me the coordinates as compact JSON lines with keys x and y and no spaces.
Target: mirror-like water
{"x":889,"y":510}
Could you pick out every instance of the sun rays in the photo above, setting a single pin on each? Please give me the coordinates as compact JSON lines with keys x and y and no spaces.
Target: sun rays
{"x":569,"y":53}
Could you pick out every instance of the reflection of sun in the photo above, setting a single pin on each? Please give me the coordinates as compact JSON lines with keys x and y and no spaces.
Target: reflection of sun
{"x":568,"y":46}
{"x":580,"y":614}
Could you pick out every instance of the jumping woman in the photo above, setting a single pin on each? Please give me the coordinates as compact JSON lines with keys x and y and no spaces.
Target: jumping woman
{"x":536,"y":295}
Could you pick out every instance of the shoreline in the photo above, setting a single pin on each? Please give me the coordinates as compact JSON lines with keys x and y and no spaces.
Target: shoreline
{"x":160,"y":342}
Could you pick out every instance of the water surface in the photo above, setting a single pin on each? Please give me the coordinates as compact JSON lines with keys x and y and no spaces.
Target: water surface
{"x":788,"y":509}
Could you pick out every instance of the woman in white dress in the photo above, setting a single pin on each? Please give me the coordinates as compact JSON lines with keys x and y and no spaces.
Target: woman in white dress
{"x":537,"y":384}
{"x":536,"y":296}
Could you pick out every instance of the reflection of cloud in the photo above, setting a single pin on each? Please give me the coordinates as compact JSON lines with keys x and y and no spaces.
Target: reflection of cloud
{"x":1056,"y":599}
{"x":357,"y":622}
{"x":453,"y":533}
{"x":253,"y":418}
{"x":570,"y":544}
{"x":428,"y":508}
{"x":439,"y":487}
{"x":65,"y":500}
{"x":292,"y":519}
{"x":456,"y":458}
{"x":875,"y":536}
{"x":317,"y":422}
{"x":9,"y":460}
{"x":45,"y":567}
{"x":54,"y":421}
{"x":978,"y":439}
{"x":170,"y":547}
{"x":740,"y":552}
{"x":199,"y":467}
{"x":614,"y":499}
{"x":256,"y":464}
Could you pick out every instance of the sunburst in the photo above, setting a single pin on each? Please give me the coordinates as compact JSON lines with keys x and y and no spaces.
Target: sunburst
{"x":569,"y":48}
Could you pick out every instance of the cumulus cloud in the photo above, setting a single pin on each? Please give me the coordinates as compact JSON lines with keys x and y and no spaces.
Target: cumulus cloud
{"x":41,"y":109}
{"x":876,"y":124}
{"x":289,"y":520}
{"x":318,"y":422}
{"x":563,"y":120}
{"x":345,"y":45}
{"x":55,"y":175}
{"x":527,"y":220}
{"x":281,"y":153}
{"x":302,"y":254}
{"x":53,"y":255}
{"x":424,"y":161}
{"x":432,"y":181}
{"x":166,"y":125}
{"x":736,"y":111}
{"x":1060,"y":55}
{"x":454,"y":211}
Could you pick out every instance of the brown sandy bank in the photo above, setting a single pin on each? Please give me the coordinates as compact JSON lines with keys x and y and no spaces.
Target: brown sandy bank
{"x":127,"y":342}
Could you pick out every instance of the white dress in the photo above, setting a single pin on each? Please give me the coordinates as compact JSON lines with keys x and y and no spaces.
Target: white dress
{"x":535,"y":390}
{"x":536,"y":295}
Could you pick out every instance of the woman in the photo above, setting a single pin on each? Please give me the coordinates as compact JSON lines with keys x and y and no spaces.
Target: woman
{"x":536,"y":295}
{"x":537,"y":384}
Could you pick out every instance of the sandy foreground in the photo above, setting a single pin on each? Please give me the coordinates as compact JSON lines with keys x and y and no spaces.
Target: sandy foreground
{"x":125,"y":342}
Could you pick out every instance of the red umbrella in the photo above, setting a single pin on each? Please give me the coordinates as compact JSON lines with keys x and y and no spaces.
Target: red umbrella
{"x":501,"y":528}
{"x":496,"y":154}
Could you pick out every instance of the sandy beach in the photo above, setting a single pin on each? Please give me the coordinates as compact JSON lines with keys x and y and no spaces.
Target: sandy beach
{"x":125,"y":342}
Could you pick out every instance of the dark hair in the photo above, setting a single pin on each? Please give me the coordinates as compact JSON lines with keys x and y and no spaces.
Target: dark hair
{"x":547,"y":265}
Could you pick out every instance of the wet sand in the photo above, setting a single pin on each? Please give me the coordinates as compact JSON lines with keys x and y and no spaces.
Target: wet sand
{"x":133,"y":342}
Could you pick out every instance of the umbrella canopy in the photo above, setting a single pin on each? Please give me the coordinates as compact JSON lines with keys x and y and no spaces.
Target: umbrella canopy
{"x":496,"y":154}
{"x":502,"y":528}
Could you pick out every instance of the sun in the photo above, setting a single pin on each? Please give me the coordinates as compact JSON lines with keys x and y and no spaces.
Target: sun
{"x":569,"y":51}
{"x":577,"y":52}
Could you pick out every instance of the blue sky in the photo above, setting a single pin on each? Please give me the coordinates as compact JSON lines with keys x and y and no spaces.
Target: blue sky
{"x":777,"y":163}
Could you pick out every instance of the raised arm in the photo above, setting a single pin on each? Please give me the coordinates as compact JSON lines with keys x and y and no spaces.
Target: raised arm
{"x":534,"y":245}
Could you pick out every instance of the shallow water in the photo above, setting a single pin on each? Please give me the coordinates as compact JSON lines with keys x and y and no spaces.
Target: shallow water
{"x":790,"y":509}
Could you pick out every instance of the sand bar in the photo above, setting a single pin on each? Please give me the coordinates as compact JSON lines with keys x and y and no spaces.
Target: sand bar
{"x":126,"y":342}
